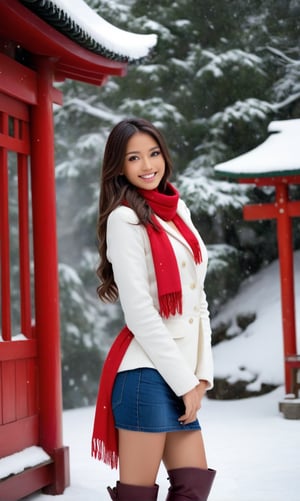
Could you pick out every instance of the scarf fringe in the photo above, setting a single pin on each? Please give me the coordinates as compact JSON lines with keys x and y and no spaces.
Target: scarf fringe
{"x":170,"y":304}
{"x":190,"y":237}
{"x":197,"y":254}
{"x":99,"y":451}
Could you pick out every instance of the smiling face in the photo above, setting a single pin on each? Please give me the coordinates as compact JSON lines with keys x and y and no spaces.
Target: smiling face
{"x":144,"y":164}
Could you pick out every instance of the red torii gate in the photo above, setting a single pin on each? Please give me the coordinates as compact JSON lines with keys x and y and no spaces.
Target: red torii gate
{"x":276,"y":162}
{"x":33,"y":55}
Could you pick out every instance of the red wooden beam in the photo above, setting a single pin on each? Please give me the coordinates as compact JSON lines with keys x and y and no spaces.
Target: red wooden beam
{"x":294,"y":209}
{"x":24,"y":246}
{"x":283,"y":210}
{"x":16,"y":487}
{"x":17,"y":80}
{"x":19,"y":407}
{"x":4,"y":242}
{"x":14,"y":106}
{"x":272,"y":180}
{"x":259,"y":211}
{"x":270,"y":211}
{"x":80,"y":75}
{"x":46,"y":269}
{"x":18,"y":350}
{"x":285,"y":248}
{"x":23,"y":433}
{"x":38,"y":37}
{"x":46,"y":260}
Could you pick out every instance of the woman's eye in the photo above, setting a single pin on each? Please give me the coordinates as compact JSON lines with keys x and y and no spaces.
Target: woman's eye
{"x":155,"y":153}
{"x":132,"y":158}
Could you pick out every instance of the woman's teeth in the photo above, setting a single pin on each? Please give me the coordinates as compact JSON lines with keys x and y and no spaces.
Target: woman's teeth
{"x":148,"y":176}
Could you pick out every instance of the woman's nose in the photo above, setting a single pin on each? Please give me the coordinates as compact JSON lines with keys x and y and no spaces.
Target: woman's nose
{"x":147,"y":164}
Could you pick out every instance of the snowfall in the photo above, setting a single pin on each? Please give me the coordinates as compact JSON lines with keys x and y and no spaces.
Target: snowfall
{"x":255,"y":450}
{"x":253,"y":447}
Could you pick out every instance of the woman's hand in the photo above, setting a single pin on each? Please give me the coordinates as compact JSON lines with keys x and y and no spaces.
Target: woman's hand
{"x":192,"y":401}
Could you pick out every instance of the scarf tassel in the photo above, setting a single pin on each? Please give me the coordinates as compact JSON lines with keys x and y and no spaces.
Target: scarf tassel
{"x":197,"y":254}
{"x":99,"y":451}
{"x":170,"y":304}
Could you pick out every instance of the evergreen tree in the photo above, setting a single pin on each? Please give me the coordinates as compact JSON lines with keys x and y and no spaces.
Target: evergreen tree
{"x":220,"y":73}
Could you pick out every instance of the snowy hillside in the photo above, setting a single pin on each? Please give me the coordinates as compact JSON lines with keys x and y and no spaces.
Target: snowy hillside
{"x":256,"y":354}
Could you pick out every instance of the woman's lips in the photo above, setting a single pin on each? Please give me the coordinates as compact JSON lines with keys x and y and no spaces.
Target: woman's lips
{"x":148,"y":177}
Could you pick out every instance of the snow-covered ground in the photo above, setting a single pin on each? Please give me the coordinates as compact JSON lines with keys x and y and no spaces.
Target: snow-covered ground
{"x":254,"y":449}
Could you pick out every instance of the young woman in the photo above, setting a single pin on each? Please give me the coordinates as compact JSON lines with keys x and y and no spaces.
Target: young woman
{"x":160,"y":366}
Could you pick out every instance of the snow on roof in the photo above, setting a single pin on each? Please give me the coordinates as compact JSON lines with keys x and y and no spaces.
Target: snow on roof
{"x":83,"y":25}
{"x":278,"y":155}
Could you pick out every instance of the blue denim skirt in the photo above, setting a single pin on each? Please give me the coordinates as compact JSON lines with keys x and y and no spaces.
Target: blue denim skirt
{"x":143,"y":401}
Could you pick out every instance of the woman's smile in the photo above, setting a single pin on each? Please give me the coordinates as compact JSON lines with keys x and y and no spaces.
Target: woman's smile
{"x":149,"y":176}
{"x":144,"y":164}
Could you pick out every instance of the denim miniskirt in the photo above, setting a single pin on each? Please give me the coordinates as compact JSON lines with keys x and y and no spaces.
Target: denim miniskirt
{"x":143,"y":401}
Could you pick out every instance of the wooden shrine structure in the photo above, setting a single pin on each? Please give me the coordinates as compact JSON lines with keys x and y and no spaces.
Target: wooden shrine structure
{"x":40,"y":43}
{"x":276,"y":162}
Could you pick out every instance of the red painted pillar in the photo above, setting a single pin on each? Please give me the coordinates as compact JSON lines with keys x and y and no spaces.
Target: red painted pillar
{"x":24,"y":246}
{"x":46,"y":274}
{"x":4,"y":248}
{"x":285,"y":249}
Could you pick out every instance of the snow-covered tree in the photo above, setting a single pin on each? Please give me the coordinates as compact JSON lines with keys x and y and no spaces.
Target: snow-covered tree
{"x":220,"y":73}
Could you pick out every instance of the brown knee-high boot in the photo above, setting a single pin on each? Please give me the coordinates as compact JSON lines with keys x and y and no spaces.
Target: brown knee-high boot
{"x":190,"y":484}
{"x":126,"y":492}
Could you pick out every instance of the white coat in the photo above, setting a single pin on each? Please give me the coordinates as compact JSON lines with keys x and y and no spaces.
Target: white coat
{"x":178,"y":347}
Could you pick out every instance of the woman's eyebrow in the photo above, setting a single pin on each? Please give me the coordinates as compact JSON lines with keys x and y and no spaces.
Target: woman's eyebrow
{"x":131,"y":152}
{"x":150,"y":149}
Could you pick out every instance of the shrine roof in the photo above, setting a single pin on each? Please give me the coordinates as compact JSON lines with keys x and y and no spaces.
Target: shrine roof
{"x":80,"y":44}
{"x":277,"y":156}
{"x":81,"y":23}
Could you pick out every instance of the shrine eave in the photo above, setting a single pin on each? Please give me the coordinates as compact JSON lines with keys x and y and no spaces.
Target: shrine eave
{"x":78,"y":21}
{"x":23,"y":27}
{"x":270,"y":177}
{"x":275,"y":160}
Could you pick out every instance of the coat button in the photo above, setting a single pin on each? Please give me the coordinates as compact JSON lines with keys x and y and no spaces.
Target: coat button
{"x":183,"y":264}
{"x":191,"y":320}
{"x":193,"y":285}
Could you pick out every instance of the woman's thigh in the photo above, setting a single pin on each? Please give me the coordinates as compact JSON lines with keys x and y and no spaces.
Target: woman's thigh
{"x":184,"y":449}
{"x":140,"y":455}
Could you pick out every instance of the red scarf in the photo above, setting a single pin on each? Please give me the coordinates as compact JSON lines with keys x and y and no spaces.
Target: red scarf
{"x":167,"y":275}
{"x":164,"y":205}
{"x":105,"y":434}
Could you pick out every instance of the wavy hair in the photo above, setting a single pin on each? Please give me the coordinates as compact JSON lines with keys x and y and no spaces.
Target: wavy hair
{"x":115,"y":189}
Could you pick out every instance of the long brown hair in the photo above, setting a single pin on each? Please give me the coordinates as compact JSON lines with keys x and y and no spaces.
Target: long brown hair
{"x":115,"y":189}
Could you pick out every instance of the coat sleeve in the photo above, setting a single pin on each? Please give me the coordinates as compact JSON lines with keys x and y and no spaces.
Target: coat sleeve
{"x":126,"y":252}
{"x":204,"y":369}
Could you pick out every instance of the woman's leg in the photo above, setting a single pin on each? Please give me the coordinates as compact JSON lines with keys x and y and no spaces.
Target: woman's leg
{"x":184,"y":449}
{"x":185,"y":460}
{"x":140,"y":455}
